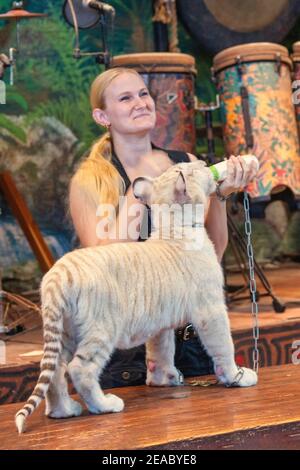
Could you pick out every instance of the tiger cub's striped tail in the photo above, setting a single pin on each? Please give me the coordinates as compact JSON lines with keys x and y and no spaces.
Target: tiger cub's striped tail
{"x":53,"y":326}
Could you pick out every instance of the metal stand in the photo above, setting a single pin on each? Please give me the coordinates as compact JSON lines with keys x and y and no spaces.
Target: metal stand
{"x":100,"y":57}
{"x":237,"y":243}
{"x":239,"y":249}
{"x":85,"y":15}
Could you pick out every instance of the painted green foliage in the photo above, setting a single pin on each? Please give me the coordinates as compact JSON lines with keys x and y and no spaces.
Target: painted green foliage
{"x":49,"y":81}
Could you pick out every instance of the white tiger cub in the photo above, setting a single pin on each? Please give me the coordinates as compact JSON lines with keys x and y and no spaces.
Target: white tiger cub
{"x":121,"y":295}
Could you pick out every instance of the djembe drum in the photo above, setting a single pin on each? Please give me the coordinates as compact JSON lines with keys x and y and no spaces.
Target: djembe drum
{"x":254,"y":83}
{"x":170,"y":79}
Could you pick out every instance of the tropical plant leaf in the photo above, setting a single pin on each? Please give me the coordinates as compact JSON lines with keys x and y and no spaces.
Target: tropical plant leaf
{"x":15,"y":98}
{"x":12,"y":128}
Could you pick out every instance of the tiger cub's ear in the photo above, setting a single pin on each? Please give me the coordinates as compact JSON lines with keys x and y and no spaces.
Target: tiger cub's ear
{"x":142,"y":189}
{"x":181,"y":195}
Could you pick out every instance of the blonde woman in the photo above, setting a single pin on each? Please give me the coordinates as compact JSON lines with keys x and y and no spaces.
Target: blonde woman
{"x":122,"y":104}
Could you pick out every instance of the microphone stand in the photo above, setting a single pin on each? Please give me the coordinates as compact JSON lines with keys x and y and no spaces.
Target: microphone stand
{"x":103,"y":57}
{"x":100,"y":57}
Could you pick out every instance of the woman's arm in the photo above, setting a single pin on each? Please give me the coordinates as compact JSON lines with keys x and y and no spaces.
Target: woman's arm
{"x":216,"y":225}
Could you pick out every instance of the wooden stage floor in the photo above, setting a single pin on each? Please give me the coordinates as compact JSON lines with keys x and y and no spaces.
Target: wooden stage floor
{"x":184,"y":418}
{"x":266,"y":416}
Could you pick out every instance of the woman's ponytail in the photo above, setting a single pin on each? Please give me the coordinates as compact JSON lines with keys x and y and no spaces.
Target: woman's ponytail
{"x":97,"y":177}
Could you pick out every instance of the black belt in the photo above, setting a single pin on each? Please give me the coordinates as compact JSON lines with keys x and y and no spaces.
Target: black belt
{"x":186,"y":333}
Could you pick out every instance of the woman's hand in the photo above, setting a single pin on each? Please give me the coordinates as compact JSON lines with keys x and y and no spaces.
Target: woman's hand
{"x":239,"y":174}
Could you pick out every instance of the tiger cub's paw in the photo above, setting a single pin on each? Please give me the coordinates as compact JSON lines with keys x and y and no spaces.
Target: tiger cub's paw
{"x":163,"y":377}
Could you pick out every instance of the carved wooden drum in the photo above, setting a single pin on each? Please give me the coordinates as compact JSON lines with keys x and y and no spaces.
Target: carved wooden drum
{"x":254,"y":83}
{"x":170,"y":78}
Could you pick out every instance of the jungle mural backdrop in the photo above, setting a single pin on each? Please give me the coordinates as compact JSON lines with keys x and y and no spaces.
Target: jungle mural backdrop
{"x":46,"y":125}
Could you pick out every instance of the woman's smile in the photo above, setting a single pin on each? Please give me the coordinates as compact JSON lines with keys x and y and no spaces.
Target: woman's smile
{"x":142,"y":115}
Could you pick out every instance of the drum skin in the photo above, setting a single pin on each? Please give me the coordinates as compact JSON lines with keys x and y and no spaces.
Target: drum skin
{"x":272,"y":114}
{"x":170,"y":79}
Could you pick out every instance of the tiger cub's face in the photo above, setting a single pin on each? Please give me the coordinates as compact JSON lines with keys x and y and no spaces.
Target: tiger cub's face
{"x":184,"y":183}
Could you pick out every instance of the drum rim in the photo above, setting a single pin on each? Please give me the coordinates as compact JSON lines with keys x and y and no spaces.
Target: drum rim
{"x":254,"y":52}
{"x":158,"y":61}
{"x":157,"y":55}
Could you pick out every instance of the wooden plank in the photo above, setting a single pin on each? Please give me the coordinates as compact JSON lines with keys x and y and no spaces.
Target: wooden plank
{"x":278,"y":437}
{"x":25,"y":219}
{"x":159,"y":416}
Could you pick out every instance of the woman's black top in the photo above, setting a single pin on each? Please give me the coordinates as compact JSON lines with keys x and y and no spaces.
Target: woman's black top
{"x":174,"y":155}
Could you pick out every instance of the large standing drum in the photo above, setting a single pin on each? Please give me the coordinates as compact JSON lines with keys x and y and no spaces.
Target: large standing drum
{"x":170,"y":78}
{"x":296,"y":77}
{"x":216,"y":24}
{"x":254,"y":83}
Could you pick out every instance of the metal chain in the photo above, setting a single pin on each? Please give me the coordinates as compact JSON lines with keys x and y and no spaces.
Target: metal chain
{"x":252,"y":284}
